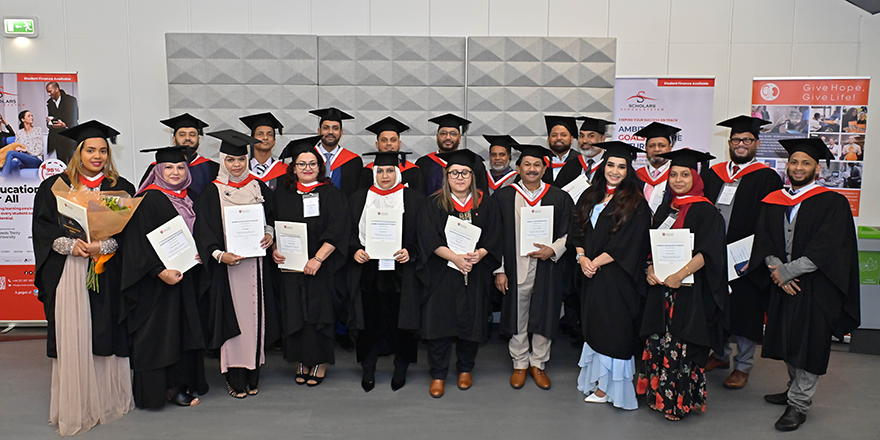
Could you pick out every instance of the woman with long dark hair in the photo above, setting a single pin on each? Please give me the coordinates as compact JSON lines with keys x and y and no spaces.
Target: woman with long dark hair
{"x":682,"y":322}
{"x":309,"y":298}
{"x":456,"y":299}
{"x":27,"y":150}
{"x":610,"y":236}
{"x":88,"y":347}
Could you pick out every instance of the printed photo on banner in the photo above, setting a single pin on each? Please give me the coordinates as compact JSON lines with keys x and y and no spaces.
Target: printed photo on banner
{"x":35,"y":108}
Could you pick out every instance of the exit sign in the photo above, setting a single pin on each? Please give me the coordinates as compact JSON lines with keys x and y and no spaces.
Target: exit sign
{"x":20,"y":27}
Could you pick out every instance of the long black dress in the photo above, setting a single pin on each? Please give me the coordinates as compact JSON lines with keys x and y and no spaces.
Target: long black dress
{"x":799,"y":326}
{"x":307,"y":302}
{"x":167,"y":335}
{"x":611,"y":300}
{"x":108,"y":337}
{"x":747,"y":301}
{"x":546,"y":299}
{"x":449,"y":307}
{"x":682,"y":325}
{"x":385,"y":305}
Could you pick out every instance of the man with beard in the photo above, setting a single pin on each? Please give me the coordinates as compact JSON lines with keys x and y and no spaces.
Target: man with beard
{"x":531,"y":283}
{"x":267,"y":169}
{"x":499,"y":173}
{"x":659,"y":139}
{"x":450,"y":128}
{"x":805,"y":252}
{"x":187,"y":130}
{"x":387,"y":133}
{"x":560,"y":134}
{"x":736,"y":188}
{"x":343,"y":166}
{"x":63,"y":114}
{"x":592,"y":132}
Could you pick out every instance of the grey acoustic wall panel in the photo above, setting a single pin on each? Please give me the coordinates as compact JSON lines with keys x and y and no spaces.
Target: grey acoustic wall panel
{"x":514,"y":81}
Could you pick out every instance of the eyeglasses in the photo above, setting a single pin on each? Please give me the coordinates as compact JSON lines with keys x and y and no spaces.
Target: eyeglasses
{"x":303,"y":165}
{"x":464,"y":174}
{"x":745,"y":141}
{"x":444,"y":134}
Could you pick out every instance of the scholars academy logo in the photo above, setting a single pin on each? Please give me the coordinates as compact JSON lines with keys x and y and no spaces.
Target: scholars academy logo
{"x":769,"y":91}
{"x":639,"y":102}
{"x":7,"y":98}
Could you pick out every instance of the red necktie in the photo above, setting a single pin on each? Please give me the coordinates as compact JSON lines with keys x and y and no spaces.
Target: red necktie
{"x":735,"y":169}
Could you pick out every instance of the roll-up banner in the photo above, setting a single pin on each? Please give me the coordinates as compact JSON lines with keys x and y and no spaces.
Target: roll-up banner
{"x":34,"y":108}
{"x":834,"y":109}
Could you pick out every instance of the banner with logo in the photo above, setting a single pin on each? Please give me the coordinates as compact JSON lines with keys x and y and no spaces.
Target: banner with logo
{"x":35,"y":107}
{"x":685,"y":103}
{"x":832,"y":109}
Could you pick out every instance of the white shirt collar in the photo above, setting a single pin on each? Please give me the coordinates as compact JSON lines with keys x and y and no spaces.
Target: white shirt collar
{"x":556,"y":158}
{"x":57,"y":101}
{"x":531,"y":194}
{"x":334,"y":152}
{"x":597,"y":158}
{"x":731,"y":164}
{"x":467,"y":199}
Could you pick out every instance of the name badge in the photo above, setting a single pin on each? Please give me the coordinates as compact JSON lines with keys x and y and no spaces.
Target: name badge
{"x":311,"y":205}
{"x":727,"y":194}
{"x":667,"y":224}
{"x":386,"y":264}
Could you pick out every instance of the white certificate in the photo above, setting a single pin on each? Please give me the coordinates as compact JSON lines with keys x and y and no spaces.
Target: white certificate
{"x":292,"y":241}
{"x":384,"y":233}
{"x":577,"y":187}
{"x":74,"y":219}
{"x":245,"y":228}
{"x":174,"y":245}
{"x":535,"y":226}
{"x":461,"y":237}
{"x":738,"y":255}
{"x":671,"y":249}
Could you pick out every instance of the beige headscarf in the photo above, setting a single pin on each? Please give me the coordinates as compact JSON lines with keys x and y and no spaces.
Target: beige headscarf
{"x":249,"y":194}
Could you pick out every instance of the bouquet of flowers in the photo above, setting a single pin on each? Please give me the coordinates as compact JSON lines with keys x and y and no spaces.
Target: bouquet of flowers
{"x":93,"y":215}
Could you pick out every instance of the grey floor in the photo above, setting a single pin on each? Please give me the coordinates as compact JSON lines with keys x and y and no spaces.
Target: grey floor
{"x":845,"y":405}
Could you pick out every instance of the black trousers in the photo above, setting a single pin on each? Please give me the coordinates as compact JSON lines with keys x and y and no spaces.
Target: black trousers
{"x":440,"y":351}
{"x":242,"y":379}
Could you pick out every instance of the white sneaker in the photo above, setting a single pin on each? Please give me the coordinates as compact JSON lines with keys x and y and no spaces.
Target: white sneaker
{"x":593,"y":398}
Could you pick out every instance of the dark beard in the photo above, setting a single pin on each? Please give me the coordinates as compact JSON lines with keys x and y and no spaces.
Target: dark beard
{"x":809,"y":178}
{"x":741,"y":160}
{"x":190,"y":153}
{"x":327,"y":145}
{"x":563,"y":149}
{"x":443,"y":150}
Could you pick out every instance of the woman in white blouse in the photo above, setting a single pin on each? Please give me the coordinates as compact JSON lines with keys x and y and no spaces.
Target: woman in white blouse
{"x":27,"y":150}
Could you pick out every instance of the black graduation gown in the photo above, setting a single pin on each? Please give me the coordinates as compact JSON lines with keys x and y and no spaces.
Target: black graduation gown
{"x":700,"y":313}
{"x":108,"y":338}
{"x":310,"y":300}
{"x":547,"y":292}
{"x":208,"y":232}
{"x":402,"y":293}
{"x":564,"y":177}
{"x":432,"y":175}
{"x":162,"y":320}
{"x":611,"y":300}
{"x":202,"y":175}
{"x":351,"y":175}
{"x":747,"y":301}
{"x":799,"y":327}
{"x":449,"y":307}
{"x":412,"y":178}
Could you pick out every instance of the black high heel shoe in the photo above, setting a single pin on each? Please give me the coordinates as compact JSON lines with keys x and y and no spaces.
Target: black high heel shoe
{"x":301,"y":375}
{"x":368,"y":382}
{"x":314,"y":380}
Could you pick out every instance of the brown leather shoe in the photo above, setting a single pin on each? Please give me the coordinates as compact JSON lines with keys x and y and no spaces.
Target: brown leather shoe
{"x":437,"y":388}
{"x":464,"y":381}
{"x":541,"y":379}
{"x":714,"y":363}
{"x":518,"y":378}
{"x":736,"y":380}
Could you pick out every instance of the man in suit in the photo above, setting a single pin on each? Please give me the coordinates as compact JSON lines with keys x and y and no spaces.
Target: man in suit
{"x":63,"y":113}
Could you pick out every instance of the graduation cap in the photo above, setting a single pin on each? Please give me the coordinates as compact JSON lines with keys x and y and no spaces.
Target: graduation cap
{"x":533,"y":151}
{"x":388,"y":158}
{"x":450,"y":120}
{"x":331,"y":114}
{"x":262,"y":119}
{"x":502,"y":140}
{"x":462,"y":157}
{"x":88,"y":130}
{"x":813,"y":147}
{"x":167,"y":154}
{"x":593,"y":124}
{"x":744,"y":124}
{"x":388,"y":124}
{"x":619,"y":149}
{"x":686,"y":157}
{"x":233,"y":143}
{"x":658,"y":129}
{"x":297,"y":146}
{"x":185,"y":120}
{"x":566,"y":121}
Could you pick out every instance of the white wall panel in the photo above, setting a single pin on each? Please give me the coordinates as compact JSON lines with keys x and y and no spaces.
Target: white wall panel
{"x":280,"y":16}
{"x":219,"y":16}
{"x":824,"y":59}
{"x":639,"y":21}
{"x":151,"y":20}
{"x":753,"y":60}
{"x":399,"y":17}
{"x":341,"y":17}
{"x":578,"y":18}
{"x":148,"y":65}
{"x":814,"y":23}
{"x":83,"y":22}
{"x":869,"y":27}
{"x":39,"y":55}
{"x":641,"y":59}
{"x":522,"y":20}
{"x":700,"y":21}
{"x":762,"y":21}
{"x":459,"y":18}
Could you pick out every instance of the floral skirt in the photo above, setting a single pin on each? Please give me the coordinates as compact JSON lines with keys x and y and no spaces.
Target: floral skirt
{"x":674,"y":384}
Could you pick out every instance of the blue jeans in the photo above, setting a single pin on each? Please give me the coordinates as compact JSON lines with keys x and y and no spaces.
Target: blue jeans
{"x":16,"y":160}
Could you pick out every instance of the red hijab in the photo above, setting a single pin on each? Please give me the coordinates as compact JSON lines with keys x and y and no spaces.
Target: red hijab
{"x":683,"y":202}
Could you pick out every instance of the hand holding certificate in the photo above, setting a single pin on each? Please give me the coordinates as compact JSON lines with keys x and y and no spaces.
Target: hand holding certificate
{"x":174,"y":245}
{"x":244,"y":226}
{"x":536,"y":226}
{"x":461,"y":238}
{"x":738,"y":255}
{"x":384,"y":233}
{"x":671,"y":250}
{"x":292,"y":243}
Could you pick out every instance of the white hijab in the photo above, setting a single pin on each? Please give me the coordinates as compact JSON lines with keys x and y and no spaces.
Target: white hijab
{"x":376,"y":201}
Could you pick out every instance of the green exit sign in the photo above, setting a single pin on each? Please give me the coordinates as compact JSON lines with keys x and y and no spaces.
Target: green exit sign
{"x":20,"y":27}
